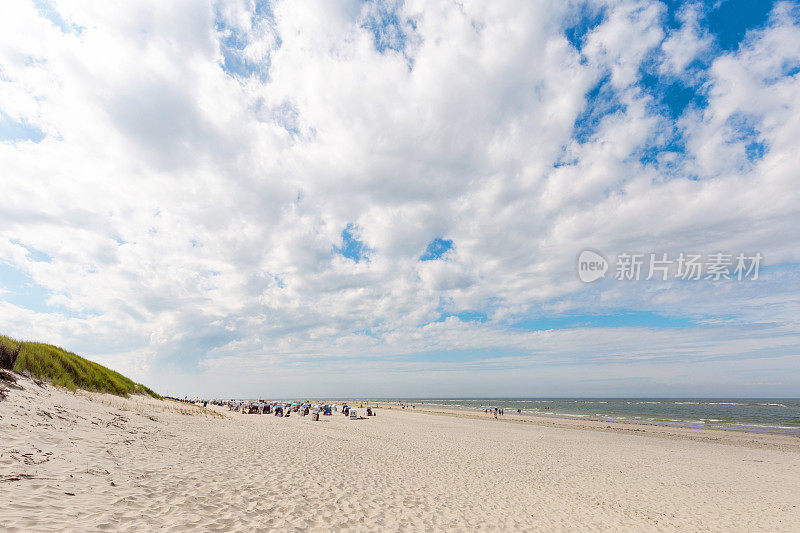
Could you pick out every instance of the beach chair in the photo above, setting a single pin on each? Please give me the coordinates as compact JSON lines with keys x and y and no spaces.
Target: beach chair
{"x":353,"y":414}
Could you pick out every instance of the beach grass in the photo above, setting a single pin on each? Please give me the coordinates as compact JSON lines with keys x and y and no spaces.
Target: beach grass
{"x":71,"y":371}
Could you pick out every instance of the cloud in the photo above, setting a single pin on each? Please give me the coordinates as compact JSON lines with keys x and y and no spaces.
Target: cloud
{"x":232,"y":189}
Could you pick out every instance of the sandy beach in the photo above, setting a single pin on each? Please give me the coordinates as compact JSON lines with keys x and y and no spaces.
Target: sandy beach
{"x":93,"y":462}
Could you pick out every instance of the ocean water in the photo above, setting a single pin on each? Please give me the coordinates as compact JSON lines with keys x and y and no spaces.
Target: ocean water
{"x":779,"y":416}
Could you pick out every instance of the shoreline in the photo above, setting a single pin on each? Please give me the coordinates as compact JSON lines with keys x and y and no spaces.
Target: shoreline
{"x":750,"y":439}
{"x":745,"y":426}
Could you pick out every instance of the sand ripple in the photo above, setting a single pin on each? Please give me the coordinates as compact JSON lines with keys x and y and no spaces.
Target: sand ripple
{"x":98,"y":463}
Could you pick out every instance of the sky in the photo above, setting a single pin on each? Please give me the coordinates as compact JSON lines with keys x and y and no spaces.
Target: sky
{"x":386,"y":198}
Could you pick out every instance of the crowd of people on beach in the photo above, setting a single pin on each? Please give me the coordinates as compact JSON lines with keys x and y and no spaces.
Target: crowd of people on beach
{"x":281,"y":409}
{"x":496,"y":411}
{"x":285,"y":409}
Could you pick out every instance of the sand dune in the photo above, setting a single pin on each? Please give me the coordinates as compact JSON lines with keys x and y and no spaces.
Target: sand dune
{"x":89,"y":462}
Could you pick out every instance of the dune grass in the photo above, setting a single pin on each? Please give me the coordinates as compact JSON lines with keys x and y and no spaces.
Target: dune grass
{"x":66,"y":369}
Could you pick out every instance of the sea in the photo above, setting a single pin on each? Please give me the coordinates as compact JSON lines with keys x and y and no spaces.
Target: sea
{"x":759,"y":415}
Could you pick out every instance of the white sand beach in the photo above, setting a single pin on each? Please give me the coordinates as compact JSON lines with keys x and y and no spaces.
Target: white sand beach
{"x":92,"y":462}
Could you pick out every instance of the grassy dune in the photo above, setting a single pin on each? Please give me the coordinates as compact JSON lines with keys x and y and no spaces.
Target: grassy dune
{"x":66,"y":369}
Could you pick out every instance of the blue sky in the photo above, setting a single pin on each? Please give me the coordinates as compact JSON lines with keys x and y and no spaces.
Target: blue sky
{"x":389,"y":198}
